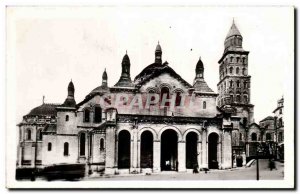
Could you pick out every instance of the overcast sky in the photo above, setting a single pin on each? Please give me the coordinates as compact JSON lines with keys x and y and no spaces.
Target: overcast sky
{"x":47,"y":47}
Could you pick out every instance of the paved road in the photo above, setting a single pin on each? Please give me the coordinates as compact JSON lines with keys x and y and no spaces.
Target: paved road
{"x":242,"y":173}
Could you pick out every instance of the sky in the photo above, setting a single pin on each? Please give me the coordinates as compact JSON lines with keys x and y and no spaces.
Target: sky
{"x":49,"y":46}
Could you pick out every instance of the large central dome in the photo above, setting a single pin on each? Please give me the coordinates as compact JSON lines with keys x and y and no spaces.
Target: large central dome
{"x":154,"y":70}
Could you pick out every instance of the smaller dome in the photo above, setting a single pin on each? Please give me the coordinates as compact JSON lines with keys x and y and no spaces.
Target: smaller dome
{"x":158,"y":48}
{"x":199,"y":65}
{"x":71,"y":86}
{"x":104,"y":75}
{"x":126,"y":59}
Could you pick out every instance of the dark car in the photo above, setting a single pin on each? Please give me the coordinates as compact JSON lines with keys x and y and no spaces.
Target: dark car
{"x":64,"y":171}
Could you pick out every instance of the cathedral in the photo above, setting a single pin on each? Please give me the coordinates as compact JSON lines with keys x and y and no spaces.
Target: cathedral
{"x":152,"y":123}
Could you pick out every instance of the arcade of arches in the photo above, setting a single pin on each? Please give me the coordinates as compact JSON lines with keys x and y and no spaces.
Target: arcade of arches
{"x":171,"y":151}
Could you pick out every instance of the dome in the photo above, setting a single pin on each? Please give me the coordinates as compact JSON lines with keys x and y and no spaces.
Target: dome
{"x":104,"y":75}
{"x":199,"y":65}
{"x":158,"y":48}
{"x":98,"y":90}
{"x":44,"y":110}
{"x":126,"y":59}
{"x":71,"y":86}
{"x":154,"y":70}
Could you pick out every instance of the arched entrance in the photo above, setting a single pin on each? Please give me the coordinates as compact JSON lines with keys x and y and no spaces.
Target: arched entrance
{"x":213,"y":139}
{"x":169,"y":140}
{"x":124,"y":149}
{"x":191,"y":150}
{"x":146,"y":150}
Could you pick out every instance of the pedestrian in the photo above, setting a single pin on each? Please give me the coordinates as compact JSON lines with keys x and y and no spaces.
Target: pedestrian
{"x":195,"y":169}
{"x":271,"y":164}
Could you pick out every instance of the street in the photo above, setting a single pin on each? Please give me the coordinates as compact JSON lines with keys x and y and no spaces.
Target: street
{"x":242,"y":173}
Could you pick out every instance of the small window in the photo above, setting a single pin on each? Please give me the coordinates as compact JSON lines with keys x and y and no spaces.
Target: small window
{"x":49,"y":146}
{"x":280,"y":111}
{"x":165,"y":92}
{"x":245,"y":98}
{"x":238,"y":83}
{"x":245,"y":84}
{"x":66,"y":149}
{"x":280,"y":136}
{"x":230,"y":84}
{"x":244,"y":71}
{"x":28,"y":134}
{"x":67,"y":117}
{"x":231,"y":59}
{"x":280,"y":122}
{"x":101,"y":144}
{"x":231,"y":98}
{"x":268,"y":136}
{"x":253,"y":137}
{"x":244,"y":60}
{"x":178,"y":99}
{"x":238,"y":98}
{"x":204,"y":105}
{"x":237,"y":59}
{"x":230,"y":70}
{"x":86,"y":117}
{"x":82,"y":144}
{"x":39,"y":135}
{"x":97,"y":114}
{"x":241,"y":137}
{"x":237,"y":70}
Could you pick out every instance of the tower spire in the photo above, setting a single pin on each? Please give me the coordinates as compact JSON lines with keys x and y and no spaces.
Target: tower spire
{"x":125,"y":79}
{"x":104,"y":78}
{"x":158,"y":53}
{"x":70,"y":100}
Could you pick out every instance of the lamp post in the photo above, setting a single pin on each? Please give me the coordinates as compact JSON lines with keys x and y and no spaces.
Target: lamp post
{"x":276,"y":136}
{"x":258,"y":150}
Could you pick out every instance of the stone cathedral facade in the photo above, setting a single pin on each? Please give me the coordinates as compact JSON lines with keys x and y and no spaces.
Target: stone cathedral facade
{"x":115,"y":130}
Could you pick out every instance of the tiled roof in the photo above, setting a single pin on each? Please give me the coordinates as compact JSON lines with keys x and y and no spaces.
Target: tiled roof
{"x":201,"y":86}
{"x":234,"y":31}
{"x":268,"y":118}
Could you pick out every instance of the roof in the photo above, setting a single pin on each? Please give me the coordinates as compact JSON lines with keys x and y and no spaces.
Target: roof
{"x":201,"y":86}
{"x":45,"y":109}
{"x":50,"y":129}
{"x":104,"y":75}
{"x":158,"y":48}
{"x":97,"y":90}
{"x":255,"y":124}
{"x":199,"y":65}
{"x":155,"y":69}
{"x":267,"y":118}
{"x":234,"y":31}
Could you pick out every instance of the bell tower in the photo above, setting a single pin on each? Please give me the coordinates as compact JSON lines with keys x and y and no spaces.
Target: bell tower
{"x":234,"y":84}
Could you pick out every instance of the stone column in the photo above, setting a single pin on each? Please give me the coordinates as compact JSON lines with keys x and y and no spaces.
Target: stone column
{"x":139,"y":154}
{"x":181,"y":156}
{"x":204,"y":150}
{"x":134,"y":152}
{"x":33,"y":154}
{"x":110,"y":157}
{"x":199,"y":152}
{"x":156,"y":156}
{"x":227,"y":149}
